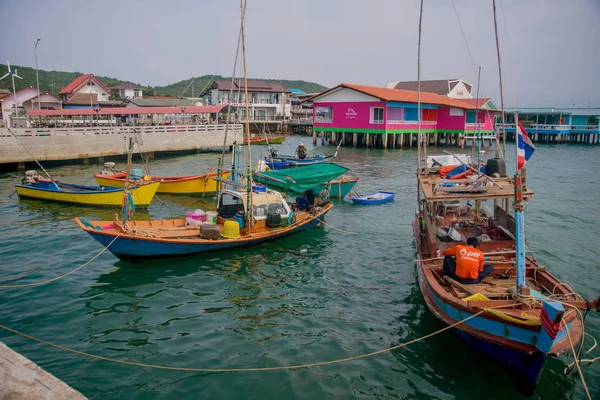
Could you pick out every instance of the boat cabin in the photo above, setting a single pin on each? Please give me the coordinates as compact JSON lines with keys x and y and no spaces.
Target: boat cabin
{"x":232,"y":202}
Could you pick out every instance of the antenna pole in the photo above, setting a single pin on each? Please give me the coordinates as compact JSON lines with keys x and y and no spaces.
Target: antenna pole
{"x":419,"y":134}
{"x":501,"y":90}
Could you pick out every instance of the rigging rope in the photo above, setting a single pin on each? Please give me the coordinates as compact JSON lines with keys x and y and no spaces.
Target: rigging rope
{"x":62,"y":276}
{"x":256,"y":369}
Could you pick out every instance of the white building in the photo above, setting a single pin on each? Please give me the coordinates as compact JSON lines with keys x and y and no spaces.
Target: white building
{"x":267,"y":101}
{"x":86,"y":87}
{"x":27,"y":100}
{"x":128,"y":91}
{"x":453,"y":88}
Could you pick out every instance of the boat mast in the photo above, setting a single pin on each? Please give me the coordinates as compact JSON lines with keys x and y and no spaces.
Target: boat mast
{"x":249,"y":176}
{"x":519,"y":205}
{"x":421,"y":144}
{"x":501,"y":92}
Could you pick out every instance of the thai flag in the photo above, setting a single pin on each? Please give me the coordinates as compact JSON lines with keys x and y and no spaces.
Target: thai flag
{"x":525,"y":146}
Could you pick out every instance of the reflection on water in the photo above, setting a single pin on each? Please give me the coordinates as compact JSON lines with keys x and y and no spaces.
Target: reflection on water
{"x":319,"y":295}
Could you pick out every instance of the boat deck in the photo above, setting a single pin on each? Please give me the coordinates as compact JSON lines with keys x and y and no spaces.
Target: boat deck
{"x":439,"y":189}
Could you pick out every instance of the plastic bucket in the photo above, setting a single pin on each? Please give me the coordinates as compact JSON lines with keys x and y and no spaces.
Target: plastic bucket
{"x":231,"y":230}
{"x":211,"y":217}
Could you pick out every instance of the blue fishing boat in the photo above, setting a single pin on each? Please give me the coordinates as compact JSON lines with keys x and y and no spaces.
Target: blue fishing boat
{"x":379,"y":197}
{"x":272,"y":219}
{"x":519,"y":316}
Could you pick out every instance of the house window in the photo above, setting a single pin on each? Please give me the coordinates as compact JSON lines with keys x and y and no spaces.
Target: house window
{"x":323,"y":114}
{"x":394,"y":115}
{"x":457,"y":112}
{"x":377,"y":115}
{"x":430,"y":115}
{"x":410,"y":115}
{"x":470,"y":117}
{"x":260,"y":115}
{"x":136,"y":93}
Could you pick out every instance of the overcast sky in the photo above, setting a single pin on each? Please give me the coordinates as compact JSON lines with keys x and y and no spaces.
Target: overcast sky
{"x":550,"y":48}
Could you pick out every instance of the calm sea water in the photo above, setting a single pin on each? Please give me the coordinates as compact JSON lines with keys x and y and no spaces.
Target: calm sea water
{"x":320,"y":295}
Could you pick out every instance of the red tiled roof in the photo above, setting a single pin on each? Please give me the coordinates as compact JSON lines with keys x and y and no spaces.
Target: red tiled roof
{"x":131,"y":110}
{"x":82,"y":80}
{"x":407,"y":96}
{"x":3,"y":95}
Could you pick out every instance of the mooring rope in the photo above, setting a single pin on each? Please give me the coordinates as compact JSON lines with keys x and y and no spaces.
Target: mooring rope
{"x":334,"y":228}
{"x":256,"y":369}
{"x":63,"y":275}
{"x":577,"y":363}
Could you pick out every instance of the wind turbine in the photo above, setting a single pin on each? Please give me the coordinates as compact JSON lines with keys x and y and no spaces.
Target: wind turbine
{"x":12,"y":75}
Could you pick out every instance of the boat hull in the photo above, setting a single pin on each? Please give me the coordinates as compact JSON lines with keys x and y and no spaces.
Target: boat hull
{"x":185,"y":185}
{"x":338,"y":189}
{"x":132,"y":249}
{"x":366,"y":200}
{"x":263,"y":141}
{"x":142,"y":195}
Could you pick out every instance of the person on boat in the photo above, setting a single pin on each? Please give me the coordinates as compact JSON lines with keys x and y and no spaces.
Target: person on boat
{"x":301,"y":151}
{"x":465,"y":264}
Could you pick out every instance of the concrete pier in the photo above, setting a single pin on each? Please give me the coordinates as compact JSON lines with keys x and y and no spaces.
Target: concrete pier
{"x":22,"y":379}
{"x":52,"y":144}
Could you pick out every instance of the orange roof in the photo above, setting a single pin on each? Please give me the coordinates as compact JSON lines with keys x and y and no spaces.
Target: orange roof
{"x":477,"y":102}
{"x":407,"y":96}
{"x":80,"y":81}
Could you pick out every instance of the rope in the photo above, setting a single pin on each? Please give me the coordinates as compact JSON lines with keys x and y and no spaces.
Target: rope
{"x":62,"y":276}
{"x":587,"y":391}
{"x":337,"y":229}
{"x":226,"y":370}
{"x":30,"y":155}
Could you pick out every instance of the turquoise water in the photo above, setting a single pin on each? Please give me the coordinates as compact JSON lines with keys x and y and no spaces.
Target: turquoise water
{"x":320,"y":295}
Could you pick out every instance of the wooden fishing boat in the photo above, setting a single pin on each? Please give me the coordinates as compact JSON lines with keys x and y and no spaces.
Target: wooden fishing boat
{"x":518,"y":324}
{"x":189,"y":185}
{"x":273,"y":219}
{"x":265,"y":139}
{"x":317,"y":177}
{"x":286,"y":161}
{"x":54,"y":190}
{"x":379,"y":197}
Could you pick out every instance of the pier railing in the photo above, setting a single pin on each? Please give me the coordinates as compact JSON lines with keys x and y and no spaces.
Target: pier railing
{"x":111,"y":130}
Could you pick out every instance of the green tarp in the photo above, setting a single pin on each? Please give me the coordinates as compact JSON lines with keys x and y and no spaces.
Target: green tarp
{"x":301,"y":179}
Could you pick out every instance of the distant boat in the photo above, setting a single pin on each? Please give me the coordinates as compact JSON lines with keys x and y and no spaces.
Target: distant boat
{"x":54,"y":190}
{"x":374,"y":198}
{"x":190,"y":185}
{"x":265,"y":139}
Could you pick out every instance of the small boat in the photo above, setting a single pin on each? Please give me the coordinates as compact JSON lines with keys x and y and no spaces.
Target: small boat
{"x":54,"y":190}
{"x":300,"y":158}
{"x":189,"y":185}
{"x":379,"y":197}
{"x":265,"y":139}
{"x":272,"y":219}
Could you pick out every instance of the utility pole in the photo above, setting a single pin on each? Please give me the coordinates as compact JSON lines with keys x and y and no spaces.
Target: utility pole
{"x":37,"y":76}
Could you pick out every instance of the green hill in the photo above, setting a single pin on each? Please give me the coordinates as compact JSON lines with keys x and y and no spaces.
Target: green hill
{"x":54,"y":81}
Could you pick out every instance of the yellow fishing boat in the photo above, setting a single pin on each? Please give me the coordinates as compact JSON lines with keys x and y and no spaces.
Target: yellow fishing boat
{"x":54,"y":190}
{"x":193,"y":184}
